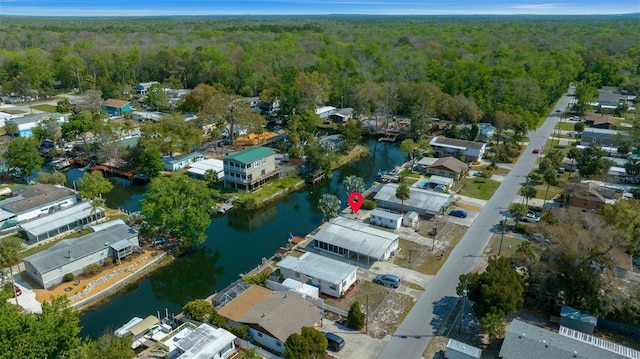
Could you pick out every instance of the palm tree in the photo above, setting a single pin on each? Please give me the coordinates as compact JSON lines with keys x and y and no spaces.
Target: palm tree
{"x":526,"y":250}
{"x":528,"y":192}
{"x":403,"y":192}
{"x":573,"y":155}
{"x":9,"y":256}
{"x":549,"y":176}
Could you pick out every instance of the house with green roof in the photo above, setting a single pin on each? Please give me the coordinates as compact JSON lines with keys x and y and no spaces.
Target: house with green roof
{"x":249,"y":169}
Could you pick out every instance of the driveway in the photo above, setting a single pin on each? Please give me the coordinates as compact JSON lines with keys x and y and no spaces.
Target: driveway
{"x":356,"y":345}
{"x":27,"y":300}
{"x":426,"y":316}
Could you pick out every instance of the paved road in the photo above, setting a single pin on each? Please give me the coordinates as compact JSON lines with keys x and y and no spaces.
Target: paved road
{"x":415,"y":332}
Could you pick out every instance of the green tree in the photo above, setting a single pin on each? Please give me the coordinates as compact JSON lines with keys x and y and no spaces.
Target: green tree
{"x":157,"y":98}
{"x":151,"y":162}
{"x":493,"y":325}
{"x":555,"y":158}
{"x":527,"y":192}
{"x":328,"y":206}
{"x":109,"y":346}
{"x":64,"y":106}
{"x":550,"y":177}
{"x":573,"y":154}
{"x":409,"y":147}
{"x":11,"y":129}
{"x":316,"y":341}
{"x":296,"y":347}
{"x":170,"y":134}
{"x":203,"y":311}
{"x":352,"y":184}
{"x":93,"y":184}
{"x":251,"y":354}
{"x":592,"y":161}
{"x":320,"y":155}
{"x":352,"y":134}
{"x":403,"y":192}
{"x":623,"y":216}
{"x":526,"y":251}
{"x":355,"y":317}
{"x":10,"y":256}
{"x":498,"y":290}
{"x":518,"y":210}
{"x":23,"y":156}
{"x":177,"y":207}
{"x":52,"y":178}
{"x":578,"y":127}
{"x":79,"y":125}
{"x":210,"y":177}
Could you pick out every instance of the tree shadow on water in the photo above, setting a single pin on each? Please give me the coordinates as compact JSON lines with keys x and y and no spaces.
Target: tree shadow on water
{"x":193,"y":276}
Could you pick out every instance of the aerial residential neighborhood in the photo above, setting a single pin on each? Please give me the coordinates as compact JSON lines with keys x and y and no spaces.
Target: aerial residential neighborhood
{"x":283,"y":188}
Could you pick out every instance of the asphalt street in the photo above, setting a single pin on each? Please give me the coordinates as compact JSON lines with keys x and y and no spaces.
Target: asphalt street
{"x":415,"y":332}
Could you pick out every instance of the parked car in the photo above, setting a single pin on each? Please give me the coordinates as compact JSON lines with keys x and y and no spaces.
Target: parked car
{"x":159,"y":241}
{"x":15,"y":290}
{"x":458,"y":213}
{"x":388,"y":280}
{"x":531,"y":217}
{"x":334,"y":342}
{"x":536,"y":150}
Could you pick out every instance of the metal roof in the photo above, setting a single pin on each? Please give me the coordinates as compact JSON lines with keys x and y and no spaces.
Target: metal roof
{"x":4,"y":215}
{"x":204,"y":341}
{"x":385,"y":214}
{"x":143,"y":326}
{"x":178,"y":159}
{"x":201,"y":167}
{"x":249,"y":155}
{"x":59,"y":219}
{"x":420,"y":198}
{"x":440,"y":180}
{"x":456,"y":143}
{"x":26,"y":119}
{"x":526,"y":341}
{"x":37,"y":196}
{"x":71,"y":249}
{"x":356,"y":237}
{"x":461,"y":347}
{"x":317,"y":266}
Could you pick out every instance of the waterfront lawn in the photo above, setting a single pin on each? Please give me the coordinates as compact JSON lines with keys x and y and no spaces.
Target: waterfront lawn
{"x":45,"y":108}
{"x":481,"y":188}
{"x":254,"y":198}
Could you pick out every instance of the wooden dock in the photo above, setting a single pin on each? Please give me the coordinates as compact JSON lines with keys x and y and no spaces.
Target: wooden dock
{"x":315,"y":176}
{"x":388,"y":138}
{"x":113,"y":171}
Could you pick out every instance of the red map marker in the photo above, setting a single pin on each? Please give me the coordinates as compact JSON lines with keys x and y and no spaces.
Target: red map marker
{"x":355,"y":201}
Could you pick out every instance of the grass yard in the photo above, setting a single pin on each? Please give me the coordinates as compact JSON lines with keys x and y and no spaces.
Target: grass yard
{"x":365,"y":289}
{"x":566,"y":126}
{"x":500,"y":171}
{"x":481,"y":188}
{"x":447,"y":239}
{"x":408,"y":252}
{"x":45,"y":108}
{"x":509,"y":245}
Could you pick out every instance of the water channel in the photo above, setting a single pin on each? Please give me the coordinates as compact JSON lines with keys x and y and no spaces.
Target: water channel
{"x":236,"y":242}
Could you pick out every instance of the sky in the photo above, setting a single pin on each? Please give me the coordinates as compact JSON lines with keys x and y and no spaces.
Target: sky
{"x":86,"y":8}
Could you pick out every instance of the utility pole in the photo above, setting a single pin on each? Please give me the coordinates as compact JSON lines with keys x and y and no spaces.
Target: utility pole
{"x":366,"y":318}
{"x":504,"y":227}
{"x":464,"y":299}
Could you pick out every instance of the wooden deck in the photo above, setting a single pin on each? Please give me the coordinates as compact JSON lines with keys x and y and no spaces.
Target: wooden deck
{"x":113,"y":171}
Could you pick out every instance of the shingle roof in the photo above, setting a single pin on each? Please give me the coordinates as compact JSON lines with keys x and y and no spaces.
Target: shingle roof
{"x":445,"y":141}
{"x":37,"y":196}
{"x":250,"y":154}
{"x":317,"y":266}
{"x":526,"y":341}
{"x":81,"y":247}
{"x":450,"y":163}
{"x":115,"y":103}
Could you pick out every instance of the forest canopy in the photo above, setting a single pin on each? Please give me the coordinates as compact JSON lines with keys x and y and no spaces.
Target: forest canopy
{"x":462,"y":69}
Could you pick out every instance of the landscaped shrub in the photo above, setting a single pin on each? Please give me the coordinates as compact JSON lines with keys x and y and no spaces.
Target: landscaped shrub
{"x":68,"y":277}
{"x":92,"y":269}
{"x":369,"y":204}
{"x":107,"y":261}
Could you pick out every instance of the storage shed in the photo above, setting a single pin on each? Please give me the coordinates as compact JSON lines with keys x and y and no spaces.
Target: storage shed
{"x":460,"y":350}
{"x":385,"y":219}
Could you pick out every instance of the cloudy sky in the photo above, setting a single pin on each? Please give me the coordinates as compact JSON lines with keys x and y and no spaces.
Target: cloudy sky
{"x":313,"y":7}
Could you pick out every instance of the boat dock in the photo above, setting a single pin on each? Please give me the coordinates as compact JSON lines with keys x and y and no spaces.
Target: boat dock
{"x":113,"y":171}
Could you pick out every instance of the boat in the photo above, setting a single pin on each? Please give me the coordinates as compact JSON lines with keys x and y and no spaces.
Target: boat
{"x":60,"y":163}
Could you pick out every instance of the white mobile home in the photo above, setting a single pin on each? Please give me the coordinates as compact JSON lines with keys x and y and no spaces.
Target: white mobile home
{"x":331,"y":276}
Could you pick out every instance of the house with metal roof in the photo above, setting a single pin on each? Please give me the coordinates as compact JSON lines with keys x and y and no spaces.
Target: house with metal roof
{"x":603,"y":137}
{"x":424,"y":202}
{"x":60,"y":222}
{"x":271,"y":316}
{"x":26,"y":123}
{"x":355,"y":241}
{"x":143,"y":87}
{"x":249,"y":169}
{"x":198,"y":169}
{"x":37,"y":200}
{"x":385,"y":219}
{"x":460,"y":350}
{"x":526,"y":341}
{"x":179,"y":162}
{"x":471,"y":151}
{"x":189,"y":341}
{"x":72,"y":255}
{"x":333,"y":277}
{"x":116,"y":107}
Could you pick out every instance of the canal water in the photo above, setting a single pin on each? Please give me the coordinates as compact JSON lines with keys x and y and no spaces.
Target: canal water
{"x":236,"y":243}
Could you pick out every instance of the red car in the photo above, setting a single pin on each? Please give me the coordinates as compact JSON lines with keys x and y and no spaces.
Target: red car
{"x":17,"y":292}
{"x":536,"y":150}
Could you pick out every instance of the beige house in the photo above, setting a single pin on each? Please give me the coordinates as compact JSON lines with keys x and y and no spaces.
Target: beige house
{"x":250,"y":168}
{"x":447,"y":167}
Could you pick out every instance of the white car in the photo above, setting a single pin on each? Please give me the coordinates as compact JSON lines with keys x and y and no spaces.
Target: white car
{"x":531,"y":217}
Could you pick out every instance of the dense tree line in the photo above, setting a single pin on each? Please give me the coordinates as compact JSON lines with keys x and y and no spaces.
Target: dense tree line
{"x":448,"y":67}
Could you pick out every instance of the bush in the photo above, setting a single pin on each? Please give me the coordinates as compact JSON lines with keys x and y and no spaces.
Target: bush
{"x":355,"y":317}
{"x":486,"y":173}
{"x":92,"y":269}
{"x":369,"y":204}
{"x":107,"y":261}
{"x":68,"y":277}
{"x":239,"y":331}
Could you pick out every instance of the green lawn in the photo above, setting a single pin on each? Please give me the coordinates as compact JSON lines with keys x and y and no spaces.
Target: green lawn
{"x":509,"y":245}
{"x":45,"y":108}
{"x":567,"y":126}
{"x":260,"y":194}
{"x":481,"y":188}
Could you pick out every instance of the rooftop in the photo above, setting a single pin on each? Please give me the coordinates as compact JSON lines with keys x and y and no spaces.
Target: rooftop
{"x":178,"y":159}
{"x":385,"y":214}
{"x":454,"y":142}
{"x":34,"y":118}
{"x":356,"y":237}
{"x":36,"y":196}
{"x":115,"y":103}
{"x":204,"y":341}
{"x":450,"y":163}
{"x":74,"y":248}
{"x":58,"y":219}
{"x":317,"y":266}
{"x":420,"y":198}
{"x":249,"y":155}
